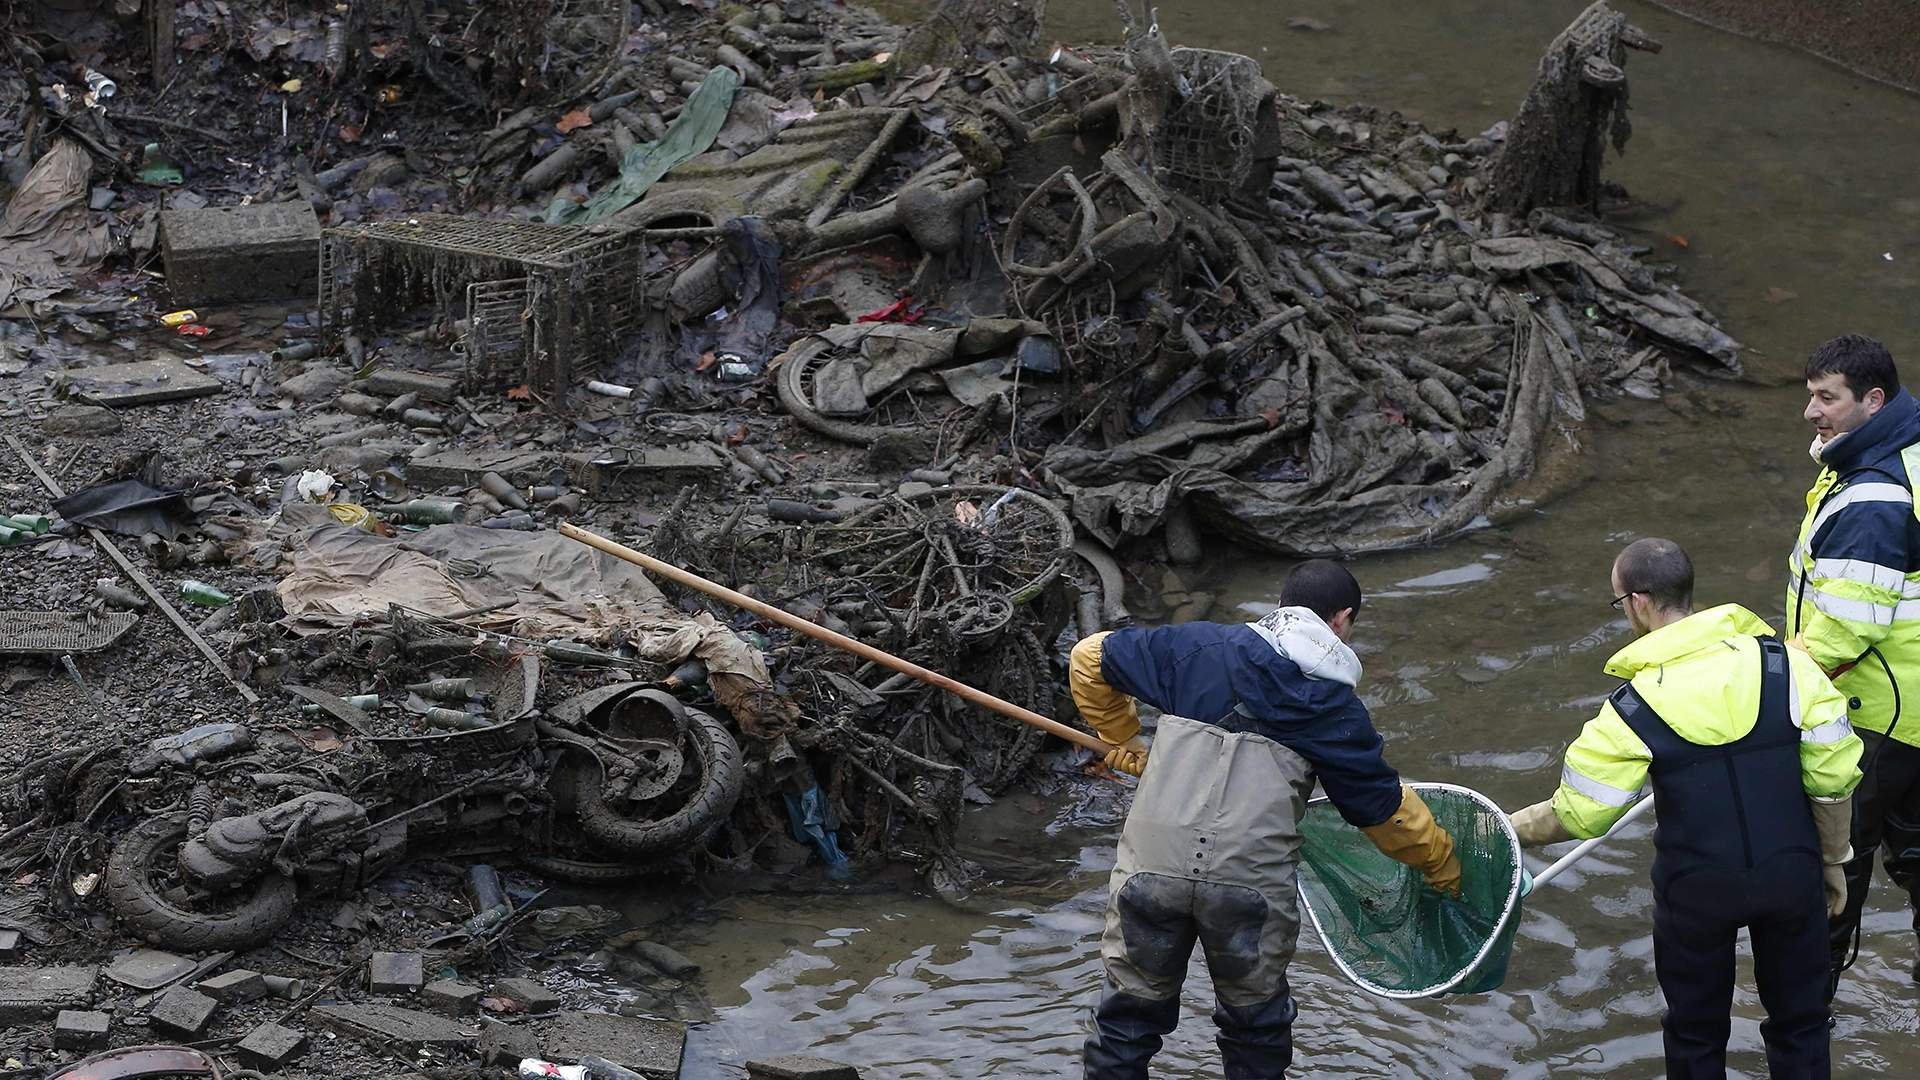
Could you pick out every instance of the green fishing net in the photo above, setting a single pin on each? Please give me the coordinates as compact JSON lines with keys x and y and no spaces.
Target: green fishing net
{"x":1387,"y":930}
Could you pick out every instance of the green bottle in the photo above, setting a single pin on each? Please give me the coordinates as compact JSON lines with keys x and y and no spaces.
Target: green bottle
{"x":199,"y":592}
{"x":37,"y":524}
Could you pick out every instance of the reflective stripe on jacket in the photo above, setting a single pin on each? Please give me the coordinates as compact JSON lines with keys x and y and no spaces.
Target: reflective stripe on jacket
{"x":1701,"y":674}
{"x":1853,"y":584}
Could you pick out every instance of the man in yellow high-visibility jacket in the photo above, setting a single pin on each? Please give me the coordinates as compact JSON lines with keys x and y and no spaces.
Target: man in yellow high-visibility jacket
{"x":1853,"y":601}
{"x":1730,"y":728}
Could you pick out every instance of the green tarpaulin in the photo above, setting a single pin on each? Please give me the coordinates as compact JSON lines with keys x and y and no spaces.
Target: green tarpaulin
{"x":690,"y":135}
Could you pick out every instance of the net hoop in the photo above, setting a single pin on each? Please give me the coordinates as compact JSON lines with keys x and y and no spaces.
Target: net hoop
{"x":1494,"y":939}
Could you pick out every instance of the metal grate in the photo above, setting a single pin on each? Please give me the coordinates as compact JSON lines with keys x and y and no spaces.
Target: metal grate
{"x":49,"y":633}
{"x":542,"y":300}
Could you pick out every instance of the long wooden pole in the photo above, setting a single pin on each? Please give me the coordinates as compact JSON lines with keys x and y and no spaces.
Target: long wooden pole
{"x":814,"y":630}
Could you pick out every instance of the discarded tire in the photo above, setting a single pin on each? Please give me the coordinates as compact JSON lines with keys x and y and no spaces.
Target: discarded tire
{"x":584,"y":872}
{"x":706,"y":794}
{"x":157,"y":910}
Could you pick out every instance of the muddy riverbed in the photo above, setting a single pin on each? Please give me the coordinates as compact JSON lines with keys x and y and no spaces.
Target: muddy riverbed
{"x":1783,"y":186}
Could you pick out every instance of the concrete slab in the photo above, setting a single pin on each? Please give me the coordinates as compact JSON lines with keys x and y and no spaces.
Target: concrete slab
{"x":142,"y":382}
{"x":271,"y":1046}
{"x":650,"y":1046}
{"x":390,"y":1025}
{"x":29,"y":994}
{"x":183,"y":1010}
{"x":601,"y":473}
{"x":396,"y":972}
{"x":531,"y":996}
{"x":231,"y":987}
{"x":74,"y":1029}
{"x":450,"y":996}
{"x":461,"y":468}
{"x":800,"y":1067}
{"x":252,"y":252}
{"x":392,"y":382}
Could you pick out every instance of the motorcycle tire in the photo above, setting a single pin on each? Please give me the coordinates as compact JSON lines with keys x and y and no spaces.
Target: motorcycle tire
{"x":582,"y":872}
{"x":723,"y":772}
{"x":258,"y":914}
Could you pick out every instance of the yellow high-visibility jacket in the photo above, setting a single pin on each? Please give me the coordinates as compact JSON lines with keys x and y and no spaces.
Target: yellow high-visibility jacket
{"x":1702,"y":675}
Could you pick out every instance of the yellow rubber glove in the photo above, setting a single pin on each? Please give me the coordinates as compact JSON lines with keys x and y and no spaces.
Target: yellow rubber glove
{"x":1538,"y":824}
{"x":1412,"y":836}
{"x":1112,"y":714}
{"x":1129,"y":757}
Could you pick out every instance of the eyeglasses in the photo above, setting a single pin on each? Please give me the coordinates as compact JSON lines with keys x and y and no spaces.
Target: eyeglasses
{"x":1621,"y":599}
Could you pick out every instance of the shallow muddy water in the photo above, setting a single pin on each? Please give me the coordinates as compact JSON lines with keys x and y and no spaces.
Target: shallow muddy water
{"x":1792,"y":185}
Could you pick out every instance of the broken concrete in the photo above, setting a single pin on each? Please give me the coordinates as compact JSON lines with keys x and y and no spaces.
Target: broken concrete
{"x":395,"y":972}
{"x":529,"y":995}
{"x":77,"y":1030}
{"x":235,"y":987}
{"x":450,"y":996}
{"x":390,"y":1025}
{"x":28,"y":994}
{"x":80,"y":420}
{"x":184,"y":1010}
{"x":270,"y":1046}
{"x":142,"y":382}
{"x":800,"y":1067}
{"x":507,"y":1044}
{"x":653,"y":1047}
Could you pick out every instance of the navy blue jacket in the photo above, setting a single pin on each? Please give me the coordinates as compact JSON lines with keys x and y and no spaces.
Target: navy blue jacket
{"x":1883,"y":533}
{"x":1204,"y":670}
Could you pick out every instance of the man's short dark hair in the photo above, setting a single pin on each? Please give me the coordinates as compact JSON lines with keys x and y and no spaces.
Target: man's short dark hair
{"x":1661,"y":570}
{"x":1863,"y":362}
{"x":1323,"y":587}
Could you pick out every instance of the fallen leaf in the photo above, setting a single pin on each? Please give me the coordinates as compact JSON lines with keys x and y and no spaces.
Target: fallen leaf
{"x":523,"y":392}
{"x":1778,"y":295}
{"x":291,"y":86}
{"x":578,"y":118}
{"x":1678,"y":240}
{"x":281,"y":36}
{"x":707,"y":360}
{"x":381,"y":50}
{"x":350,"y":133}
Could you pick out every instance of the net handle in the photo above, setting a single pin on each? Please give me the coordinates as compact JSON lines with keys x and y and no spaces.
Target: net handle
{"x":1586,"y":846}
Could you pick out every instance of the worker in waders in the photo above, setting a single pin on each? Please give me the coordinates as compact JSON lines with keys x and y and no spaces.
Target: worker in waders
{"x":1254,"y":713}
{"x":1753,"y":765}
{"x":1853,"y":602}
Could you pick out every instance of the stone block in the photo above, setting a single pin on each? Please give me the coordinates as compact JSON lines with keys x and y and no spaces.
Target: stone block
{"x":29,"y":994}
{"x":619,"y":471}
{"x":394,"y":381}
{"x":396,"y":973}
{"x":77,"y":1030}
{"x":10,"y":944}
{"x":270,"y":1046}
{"x":183,"y":1010}
{"x":529,"y":995}
{"x":224,"y":253}
{"x":80,"y":420}
{"x":800,"y":1067}
{"x":450,"y":996}
{"x":139,"y":382}
{"x":391,"y":1026}
{"x":232,"y":987}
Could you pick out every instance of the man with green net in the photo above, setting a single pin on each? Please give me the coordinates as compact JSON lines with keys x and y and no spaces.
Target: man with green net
{"x":1254,"y":713}
{"x":1753,"y":764}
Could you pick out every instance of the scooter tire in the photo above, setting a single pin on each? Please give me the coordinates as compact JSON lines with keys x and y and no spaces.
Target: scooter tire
{"x":724,"y":773}
{"x":140,"y":905}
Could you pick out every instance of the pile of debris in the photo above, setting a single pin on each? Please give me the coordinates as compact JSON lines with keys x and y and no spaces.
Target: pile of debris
{"x":916,"y":334}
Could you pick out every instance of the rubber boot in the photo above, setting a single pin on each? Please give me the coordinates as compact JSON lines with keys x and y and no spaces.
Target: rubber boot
{"x":1126,"y":1034}
{"x":1256,"y":1041}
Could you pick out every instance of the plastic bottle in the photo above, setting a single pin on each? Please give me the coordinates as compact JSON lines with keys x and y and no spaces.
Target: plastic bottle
{"x":535,"y":1069}
{"x":203,"y":594}
{"x":363,"y":702}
